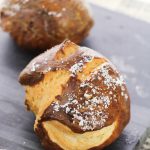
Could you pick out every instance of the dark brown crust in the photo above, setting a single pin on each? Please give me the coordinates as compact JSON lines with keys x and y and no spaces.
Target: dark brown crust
{"x":123,"y":120}
{"x":118,"y":110}
{"x":73,"y":86}
{"x":27,"y":106}
{"x":49,"y":145}
{"x":29,"y":77}
{"x":45,"y":140}
{"x":39,"y":31}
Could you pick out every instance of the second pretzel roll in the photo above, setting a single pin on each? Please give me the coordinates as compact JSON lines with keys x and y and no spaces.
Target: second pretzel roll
{"x":78,"y":97}
{"x":37,"y":25}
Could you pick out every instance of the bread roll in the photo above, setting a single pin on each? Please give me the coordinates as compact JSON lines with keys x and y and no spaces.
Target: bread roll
{"x":40,"y":24}
{"x":78,"y":97}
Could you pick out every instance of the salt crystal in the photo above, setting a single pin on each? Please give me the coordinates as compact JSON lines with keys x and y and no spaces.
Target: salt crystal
{"x":88,"y":96}
{"x":67,"y":109}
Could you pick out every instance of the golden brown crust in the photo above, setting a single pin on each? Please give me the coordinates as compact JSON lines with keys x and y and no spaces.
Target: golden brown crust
{"x":89,"y":101}
{"x":51,"y":60}
{"x":45,"y":140}
{"x":41,"y":24}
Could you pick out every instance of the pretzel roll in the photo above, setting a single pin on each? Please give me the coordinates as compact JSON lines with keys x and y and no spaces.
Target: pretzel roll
{"x":40,"y":24}
{"x":78,"y":97}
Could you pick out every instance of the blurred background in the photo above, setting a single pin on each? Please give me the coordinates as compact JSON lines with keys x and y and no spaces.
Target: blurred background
{"x":139,"y":9}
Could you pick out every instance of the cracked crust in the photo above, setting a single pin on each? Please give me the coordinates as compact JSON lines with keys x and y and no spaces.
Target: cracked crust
{"x":80,"y":98}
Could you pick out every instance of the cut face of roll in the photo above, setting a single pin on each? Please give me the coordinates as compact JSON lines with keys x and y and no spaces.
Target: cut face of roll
{"x":37,"y":25}
{"x":78,"y":97}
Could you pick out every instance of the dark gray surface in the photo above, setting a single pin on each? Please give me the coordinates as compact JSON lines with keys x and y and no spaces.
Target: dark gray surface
{"x":122,"y":39}
{"x":144,"y":143}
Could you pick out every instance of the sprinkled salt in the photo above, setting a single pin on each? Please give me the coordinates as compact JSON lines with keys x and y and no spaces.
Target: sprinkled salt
{"x":79,"y":66}
{"x":122,"y":93}
{"x":75,"y":101}
{"x":76,"y":68}
{"x":88,"y":58}
{"x":88,"y":109}
{"x":81,"y":123}
{"x":67,"y":109}
{"x":83,"y":84}
{"x":87,"y":96}
{"x":106,"y":101}
{"x":53,"y":13}
{"x":56,"y":106}
{"x":35,"y":66}
{"x":119,"y":81}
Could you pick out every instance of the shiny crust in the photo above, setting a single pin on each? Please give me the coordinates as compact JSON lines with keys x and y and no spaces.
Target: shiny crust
{"x":41,"y":24}
{"x":60,"y":58}
{"x":51,"y":59}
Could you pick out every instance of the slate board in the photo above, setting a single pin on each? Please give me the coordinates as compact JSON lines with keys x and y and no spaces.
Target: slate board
{"x":124,"y":40}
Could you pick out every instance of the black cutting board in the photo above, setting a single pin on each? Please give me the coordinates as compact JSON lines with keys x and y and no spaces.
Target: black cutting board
{"x":124,"y":40}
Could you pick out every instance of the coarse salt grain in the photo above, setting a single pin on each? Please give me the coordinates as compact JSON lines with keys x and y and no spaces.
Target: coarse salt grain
{"x":91,"y":118}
